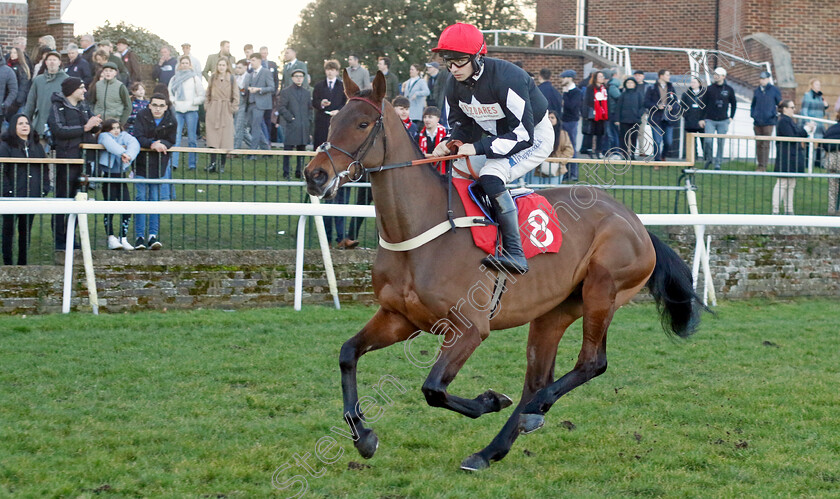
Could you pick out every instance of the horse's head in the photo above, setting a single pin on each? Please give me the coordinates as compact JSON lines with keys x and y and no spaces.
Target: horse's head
{"x":356,"y":140}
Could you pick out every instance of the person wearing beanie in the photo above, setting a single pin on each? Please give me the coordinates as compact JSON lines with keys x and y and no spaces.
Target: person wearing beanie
{"x":72,"y":124}
{"x":39,"y":100}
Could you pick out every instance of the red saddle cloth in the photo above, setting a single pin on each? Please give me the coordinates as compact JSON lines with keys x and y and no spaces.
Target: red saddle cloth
{"x":539,"y":228}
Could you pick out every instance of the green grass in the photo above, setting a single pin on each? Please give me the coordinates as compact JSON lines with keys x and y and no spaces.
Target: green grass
{"x":210,"y":404}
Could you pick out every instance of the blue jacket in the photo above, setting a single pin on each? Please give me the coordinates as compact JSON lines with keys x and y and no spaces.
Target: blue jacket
{"x":765,"y":102}
{"x":813,"y":104}
{"x":555,"y":100}
{"x":115,"y":147}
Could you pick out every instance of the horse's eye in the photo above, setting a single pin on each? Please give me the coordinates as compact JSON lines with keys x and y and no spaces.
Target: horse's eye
{"x":364,"y":125}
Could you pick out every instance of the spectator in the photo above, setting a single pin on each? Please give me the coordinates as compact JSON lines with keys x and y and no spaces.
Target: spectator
{"x":39,"y":100}
{"x":120,"y":151}
{"x":222,"y":104}
{"x":260,"y":98}
{"x":248,"y":49}
{"x":273,"y":133}
{"x":614,"y":87}
{"x":718,"y":110}
{"x":20,"y":44}
{"x":401,"y":105}
{"x":357,"y":73}
{"x":436,"y":81}
{"x":111,"y":98}
{"x":71,"y":124}
{"x":562,"y":149}
{"x":595,"y":115}
{"x":629,"y":110}
{"x":832,"y":165}
{"x":659,"y":100}
{"x":570,"y":115}
{"x":77,"y":66}
{"x":392,"y":81}
{"x":186,"y":48}
{"x":187,"y":92}
{"x":88,"y":48}
{"x":24,"y":79}
{"x":641,"y":142}
{"x":20,"y":181}
{"x":294,"y":106}
{"x":790,"y":156}
{"x":292,"y":63}
{"x":555,"y":100}
{"x":241,"y":135}
{"x":8,"y":92}
{"x":765,"y":102}
{"x":691,"y":103}
{"x":432,"y":133}
{"x":212,"y":59}
{"x":327,"y":99}
{"x":47,"y":41}
{"x":165,"y":68}
{"x":639,"y":76}
{"x":40,"y":68}
{"x":416,"y":90}
{"x":109,"y":56}
{"x":129,"y":58}
{"x":138,"y":103}
{"x":155,"y":129}
{"x":815,"y":106}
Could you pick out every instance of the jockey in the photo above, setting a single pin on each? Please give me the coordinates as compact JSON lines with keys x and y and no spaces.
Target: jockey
{"x":498,"y":113}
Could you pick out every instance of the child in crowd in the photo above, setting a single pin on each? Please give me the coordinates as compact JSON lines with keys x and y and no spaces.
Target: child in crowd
{"x":432,"y":133}
{"x":120,"y":150}
{"x":402,"y":106}
{"x":138,"y":102}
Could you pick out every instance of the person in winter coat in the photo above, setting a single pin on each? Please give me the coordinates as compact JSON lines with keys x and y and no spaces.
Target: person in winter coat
{"x":22,"y":72}
{"x":719,"y":107}
{"x":416,"y":90}
{"x":832,"y":165}
{"x":138,"y":103}
{"x":661,"y":100}
{"x":186,"y":90}
{"x":155,"y":129}
{"x":814,"y":105}
{"x":78,"y":66}
{"x":111,"y":99}
{"x":790,"y":156}
{"x":327,"y":99}
{"x":72,"y":124}
{"x":614,"y":89}
{"x":765,"y":101}
{"x":8,"y":90}
{"x":595,"y":114}
{"x":129,"y":58}
{"x":120,"y":151}
{"x":221,"y":105}
{"x":628,"y":116}
{"x":570,"y":115}
{"x":21,"y":181}
{"x":294,"y":106}
{"x":39,"y":100}
{"x":691,"y":104}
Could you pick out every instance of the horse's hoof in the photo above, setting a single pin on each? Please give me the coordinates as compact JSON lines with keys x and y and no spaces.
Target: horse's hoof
{"x":367,"y":443}
{"x":500,"y":400}
{"x":474,"y":463}
{"x":529,"y":423}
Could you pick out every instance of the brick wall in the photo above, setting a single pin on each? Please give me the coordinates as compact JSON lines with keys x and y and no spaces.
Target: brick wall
{"x":556,"y":16}
{"x":535,"y":59}
{"x":13,"y":23}
{"x":746,"y":262}
{"x":44,"y":19}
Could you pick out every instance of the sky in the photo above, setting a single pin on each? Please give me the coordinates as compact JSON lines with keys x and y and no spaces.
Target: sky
{"x":202,"y":23}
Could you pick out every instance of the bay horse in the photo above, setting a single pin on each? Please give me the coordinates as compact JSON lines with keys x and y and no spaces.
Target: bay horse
{"x":607,"y":256}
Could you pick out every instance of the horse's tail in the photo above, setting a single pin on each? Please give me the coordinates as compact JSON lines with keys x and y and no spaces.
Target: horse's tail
{"x":672,"y":289}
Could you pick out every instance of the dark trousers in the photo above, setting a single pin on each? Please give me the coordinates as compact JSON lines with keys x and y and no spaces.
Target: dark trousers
{"x":66,"y":186}
{"x":627,"y":138}
{"x":340,"y":198}
{"x":115,"y":192}
{"x":364,"y":196}
{"x":24,"y":223}
{"x":298,"y":160}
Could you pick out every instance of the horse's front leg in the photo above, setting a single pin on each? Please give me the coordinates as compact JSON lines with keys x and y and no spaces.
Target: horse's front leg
{"x":459,"y":344}
{"x":384,"y":329}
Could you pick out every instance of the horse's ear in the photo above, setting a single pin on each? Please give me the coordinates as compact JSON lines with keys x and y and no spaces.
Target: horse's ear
{"x":378,"y":87}
{"x":350,"y":87}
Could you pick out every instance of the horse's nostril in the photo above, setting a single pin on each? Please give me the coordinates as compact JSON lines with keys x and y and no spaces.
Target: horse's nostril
{"x":319,"y":177}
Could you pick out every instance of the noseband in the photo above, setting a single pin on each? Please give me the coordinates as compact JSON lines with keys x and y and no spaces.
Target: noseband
{"x":356,"y":157}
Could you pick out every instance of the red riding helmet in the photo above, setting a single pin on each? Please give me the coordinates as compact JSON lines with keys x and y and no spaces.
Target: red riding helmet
{"x":464,"y":38}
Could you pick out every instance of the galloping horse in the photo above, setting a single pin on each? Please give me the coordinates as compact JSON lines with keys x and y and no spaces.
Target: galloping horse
{"x":606,"y":257}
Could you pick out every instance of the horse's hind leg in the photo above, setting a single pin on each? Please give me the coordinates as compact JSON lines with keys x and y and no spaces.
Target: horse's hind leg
{"x":543,"y":337}
{"x":382,"y":330}
{"x":459,"y":345}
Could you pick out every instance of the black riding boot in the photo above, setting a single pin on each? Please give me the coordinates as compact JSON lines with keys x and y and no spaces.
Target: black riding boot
{"x":512,"y":257}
